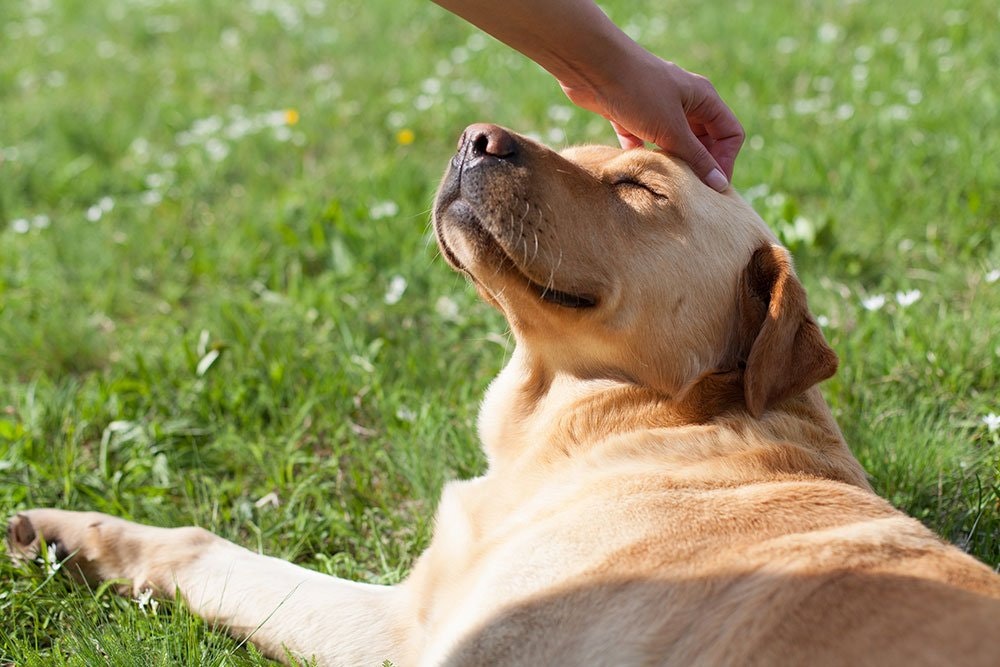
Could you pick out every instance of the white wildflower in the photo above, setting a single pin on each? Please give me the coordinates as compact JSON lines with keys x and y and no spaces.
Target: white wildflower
{"x":206,"y":126}
{"x":20,"y":226}
{"x":555,"y":135}
{"x":430,"y":86}
{"x":560,"y":113}
{"x":239,"y":128}
{"x":273,"y":118}
{"x":889,"y":36}
{"x":993,"y":276}
{"x":823,"y":84}
{"x":476,"y":42}
{"x":406,"y":414}
{"x":155,"y":180}
{"x":446,"y":308}
{"x":94,"y":213}
{"x":230,"y":38}
{"x":805,"y":106}
{"x":217,"y":150}
{"x":757,"y":191}
{"x":786,"y":44}
{"x":52,"y":563}
{"x":322,"y":72}
{"x":874,"y":302}
{"x":992,"y":422}
{"x":396,"y":120}
{"x":828,"y":33}
{"x":145,"y":599}
{"x":383,"y":209}
{"x":397,"y":286}
{"x":150,"y":198}
{"x":909,"y":298}
{"x":897,"y":112}
{"x":844,"y":111}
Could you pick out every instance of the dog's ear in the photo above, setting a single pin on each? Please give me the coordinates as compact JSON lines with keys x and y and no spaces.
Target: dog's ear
{"x":784,"y":348}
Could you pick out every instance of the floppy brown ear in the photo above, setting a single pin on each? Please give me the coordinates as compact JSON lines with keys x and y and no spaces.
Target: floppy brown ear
{"x":788,"y":353}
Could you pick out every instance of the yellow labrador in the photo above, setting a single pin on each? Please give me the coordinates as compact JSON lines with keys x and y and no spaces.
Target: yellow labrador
{"x":665,"y":486}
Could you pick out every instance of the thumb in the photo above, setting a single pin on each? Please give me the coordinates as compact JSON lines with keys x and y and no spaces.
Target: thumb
{"x":701,"y":161}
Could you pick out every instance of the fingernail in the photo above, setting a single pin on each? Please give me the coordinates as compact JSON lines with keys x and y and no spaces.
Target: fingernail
{"x":717,"y":180}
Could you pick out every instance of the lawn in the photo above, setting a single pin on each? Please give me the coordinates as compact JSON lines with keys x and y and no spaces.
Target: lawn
{"x":221,"y":304}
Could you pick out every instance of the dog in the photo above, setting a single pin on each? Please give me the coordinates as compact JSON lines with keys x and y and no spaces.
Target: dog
{"x":666,"y":485}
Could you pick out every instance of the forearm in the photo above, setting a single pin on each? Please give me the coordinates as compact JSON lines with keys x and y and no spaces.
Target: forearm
{"x":572,"y":39}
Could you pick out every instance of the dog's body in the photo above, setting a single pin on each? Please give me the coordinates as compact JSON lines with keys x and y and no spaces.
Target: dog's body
{"x":666,"y":485}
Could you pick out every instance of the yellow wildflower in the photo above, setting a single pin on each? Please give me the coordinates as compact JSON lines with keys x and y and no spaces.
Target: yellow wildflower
{"x":291,"y":116}
{"x":405,"y":137}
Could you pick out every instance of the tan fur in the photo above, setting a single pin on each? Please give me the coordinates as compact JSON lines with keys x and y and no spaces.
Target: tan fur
{"x":666,"y":485}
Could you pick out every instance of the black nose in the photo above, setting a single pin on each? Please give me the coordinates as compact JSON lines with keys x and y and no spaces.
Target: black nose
{"x":483,"y":139}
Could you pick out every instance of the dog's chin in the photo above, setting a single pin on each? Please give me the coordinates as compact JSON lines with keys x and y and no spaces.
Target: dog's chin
{"x":463,"y":240}
{"x":469,"y":247}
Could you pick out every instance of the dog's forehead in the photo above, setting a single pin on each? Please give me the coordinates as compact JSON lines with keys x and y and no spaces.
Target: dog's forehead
{"x":606,"y":159}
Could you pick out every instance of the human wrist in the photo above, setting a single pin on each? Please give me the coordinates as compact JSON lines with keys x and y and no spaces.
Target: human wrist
{"x":595,"y":65}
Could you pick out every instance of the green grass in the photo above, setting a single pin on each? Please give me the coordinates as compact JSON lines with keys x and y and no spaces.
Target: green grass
{"x":193,"y":291}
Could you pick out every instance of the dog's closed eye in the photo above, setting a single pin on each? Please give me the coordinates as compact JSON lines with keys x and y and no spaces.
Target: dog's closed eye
{"x":635,"y":184}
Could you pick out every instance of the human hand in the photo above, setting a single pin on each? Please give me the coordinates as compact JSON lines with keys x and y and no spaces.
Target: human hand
{"x":654,"y":100}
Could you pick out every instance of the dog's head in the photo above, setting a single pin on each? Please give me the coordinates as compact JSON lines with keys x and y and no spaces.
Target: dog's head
{"x":623,"y":265}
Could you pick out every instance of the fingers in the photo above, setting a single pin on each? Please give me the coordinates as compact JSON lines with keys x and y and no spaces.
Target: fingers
{"x":656,"y":101}
{"x":626,"y":139}
{"x":725,"y":151}
{"x":696,"y":150}
{"x":692,"y":149}
{"x":703,"y":164}
{"x":727,"y":137}
{"x":706,"y":111}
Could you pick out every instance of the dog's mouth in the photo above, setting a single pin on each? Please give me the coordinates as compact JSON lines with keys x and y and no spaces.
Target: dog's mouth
{"x":463,"y":215}
{"x":564,"y":299}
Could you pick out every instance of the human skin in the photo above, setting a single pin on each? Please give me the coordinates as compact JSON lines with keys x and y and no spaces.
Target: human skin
{"x":600,"y":68}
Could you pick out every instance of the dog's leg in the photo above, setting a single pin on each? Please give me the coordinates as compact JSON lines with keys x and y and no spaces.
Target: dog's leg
{"x":279,"y":606}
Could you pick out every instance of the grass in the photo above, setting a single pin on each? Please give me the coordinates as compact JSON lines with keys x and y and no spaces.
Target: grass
{"x":208,"y":211}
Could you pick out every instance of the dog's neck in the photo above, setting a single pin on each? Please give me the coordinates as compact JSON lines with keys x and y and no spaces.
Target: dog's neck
{"x":533,"y":416}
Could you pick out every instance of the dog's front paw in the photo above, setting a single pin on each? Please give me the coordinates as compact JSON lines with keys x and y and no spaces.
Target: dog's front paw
{"x":88,"y":544}
{"x":96,"y":547}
